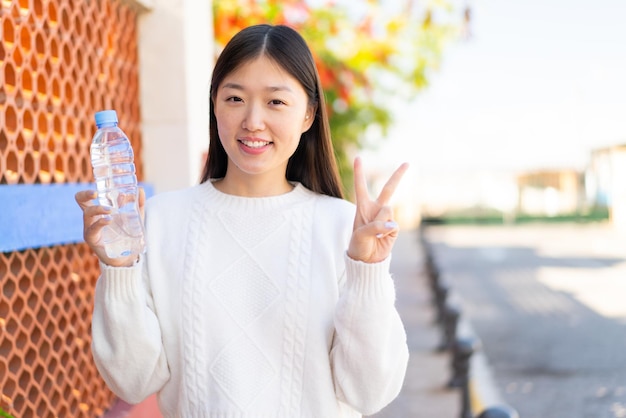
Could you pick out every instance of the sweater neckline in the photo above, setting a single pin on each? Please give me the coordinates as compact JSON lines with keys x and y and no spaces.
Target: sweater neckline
{"x":224,"y":200}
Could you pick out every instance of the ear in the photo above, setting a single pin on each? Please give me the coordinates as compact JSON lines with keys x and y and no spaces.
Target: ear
{"x":309,"y":118}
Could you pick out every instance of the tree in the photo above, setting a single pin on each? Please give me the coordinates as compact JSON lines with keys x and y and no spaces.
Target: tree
{"x":366,"y":54}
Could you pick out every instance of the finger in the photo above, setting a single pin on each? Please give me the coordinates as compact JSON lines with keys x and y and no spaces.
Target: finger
{"x":387,"y":228}
{"x":385,"y":213}
{"x":92,"y":213}
{"x":142,"y":203}
{"x":360,"y":185}
{"x":84,"y":198}
{"x":384,"y":222}
{"x":142,"y":197}
{"x":92,"y":233}
{"x":379,"y":229}
{"x":392,"y":183}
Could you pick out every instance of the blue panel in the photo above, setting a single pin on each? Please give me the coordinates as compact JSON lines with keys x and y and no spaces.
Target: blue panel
{"x":36,"y":215}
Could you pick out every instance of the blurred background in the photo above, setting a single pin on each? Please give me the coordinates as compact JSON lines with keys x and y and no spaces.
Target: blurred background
{"x":524,"y":116}
{"x":509,"y":112}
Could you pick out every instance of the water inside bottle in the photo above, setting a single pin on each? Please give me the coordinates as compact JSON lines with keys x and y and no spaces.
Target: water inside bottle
{"x":114,"y":173}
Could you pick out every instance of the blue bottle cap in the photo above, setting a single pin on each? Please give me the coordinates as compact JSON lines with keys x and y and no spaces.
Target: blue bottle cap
{"x":106,"y":117}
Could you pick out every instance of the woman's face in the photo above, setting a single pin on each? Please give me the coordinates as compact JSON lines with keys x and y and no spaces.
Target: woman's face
{"x":261,"y":112}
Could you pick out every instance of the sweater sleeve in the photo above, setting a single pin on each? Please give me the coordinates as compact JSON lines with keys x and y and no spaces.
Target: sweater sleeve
{"x":126,"y":337}
{"x":369,"y":354}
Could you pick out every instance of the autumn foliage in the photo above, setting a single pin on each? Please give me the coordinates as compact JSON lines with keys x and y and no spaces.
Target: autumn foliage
{"x":366,"y":54}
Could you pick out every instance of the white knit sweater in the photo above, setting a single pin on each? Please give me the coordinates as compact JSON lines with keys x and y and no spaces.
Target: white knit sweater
{"x":250,"y":307}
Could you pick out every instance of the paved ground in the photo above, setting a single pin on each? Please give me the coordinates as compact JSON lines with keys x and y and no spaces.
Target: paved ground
{"x":547,"y":301}
{"x":424,"y":394}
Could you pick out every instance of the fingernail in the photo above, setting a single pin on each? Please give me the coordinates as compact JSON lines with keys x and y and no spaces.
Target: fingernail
{"x":391,"y":225}
{"x":379,"y":235}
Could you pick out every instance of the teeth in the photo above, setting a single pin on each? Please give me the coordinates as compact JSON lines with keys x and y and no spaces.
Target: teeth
{"x":255,"y":144}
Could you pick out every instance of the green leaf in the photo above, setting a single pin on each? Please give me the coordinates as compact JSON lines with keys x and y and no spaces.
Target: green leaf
{"x":5,"y":414}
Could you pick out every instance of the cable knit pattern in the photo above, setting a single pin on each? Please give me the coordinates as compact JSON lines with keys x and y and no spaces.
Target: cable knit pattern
{"x":238,"y":359}
{"x":195,"y":363}
{"x":245,"y":300}
{"x":297,"y":305}
{"x":239,"y":313}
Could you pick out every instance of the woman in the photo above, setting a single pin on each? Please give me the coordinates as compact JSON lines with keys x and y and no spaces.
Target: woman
{"x":262,"y":292}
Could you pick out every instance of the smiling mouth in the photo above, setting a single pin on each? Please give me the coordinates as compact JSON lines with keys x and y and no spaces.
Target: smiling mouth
{"x":254,"y":144}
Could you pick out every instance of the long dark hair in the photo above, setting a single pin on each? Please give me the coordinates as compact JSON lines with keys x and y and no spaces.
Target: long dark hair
{"x":313,"y":164}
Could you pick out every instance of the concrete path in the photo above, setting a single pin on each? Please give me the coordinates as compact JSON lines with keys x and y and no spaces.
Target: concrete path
{"x":547,"y":301}
{"x":424,"y":394}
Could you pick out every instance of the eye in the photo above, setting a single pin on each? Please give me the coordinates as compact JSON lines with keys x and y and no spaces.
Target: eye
{"x":234,"y":99}
{"x":276,"y":102}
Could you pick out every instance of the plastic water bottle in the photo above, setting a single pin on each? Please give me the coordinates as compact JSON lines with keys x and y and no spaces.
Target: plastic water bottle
{"x":112,"y":159}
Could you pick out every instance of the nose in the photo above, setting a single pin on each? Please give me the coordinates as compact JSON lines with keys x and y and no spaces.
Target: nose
{"x":253,"y":120}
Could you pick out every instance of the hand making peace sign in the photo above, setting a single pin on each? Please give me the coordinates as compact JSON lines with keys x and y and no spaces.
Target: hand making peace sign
{"x":374,"y":231}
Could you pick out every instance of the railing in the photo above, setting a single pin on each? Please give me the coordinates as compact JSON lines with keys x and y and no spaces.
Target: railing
{"x":461,"y":344}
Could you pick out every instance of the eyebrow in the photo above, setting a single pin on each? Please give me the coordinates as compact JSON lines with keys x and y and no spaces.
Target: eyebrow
{"x":236,"y":86}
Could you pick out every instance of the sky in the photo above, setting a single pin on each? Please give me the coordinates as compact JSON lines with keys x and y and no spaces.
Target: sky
{"x":538,"y":85}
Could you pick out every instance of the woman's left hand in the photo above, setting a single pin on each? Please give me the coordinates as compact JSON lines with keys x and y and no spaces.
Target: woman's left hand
{"x":374,"y":231}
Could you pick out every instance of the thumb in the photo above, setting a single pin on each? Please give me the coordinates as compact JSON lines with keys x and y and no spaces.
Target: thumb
{"x":379,"y":229}
{"x":388,"y":228}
